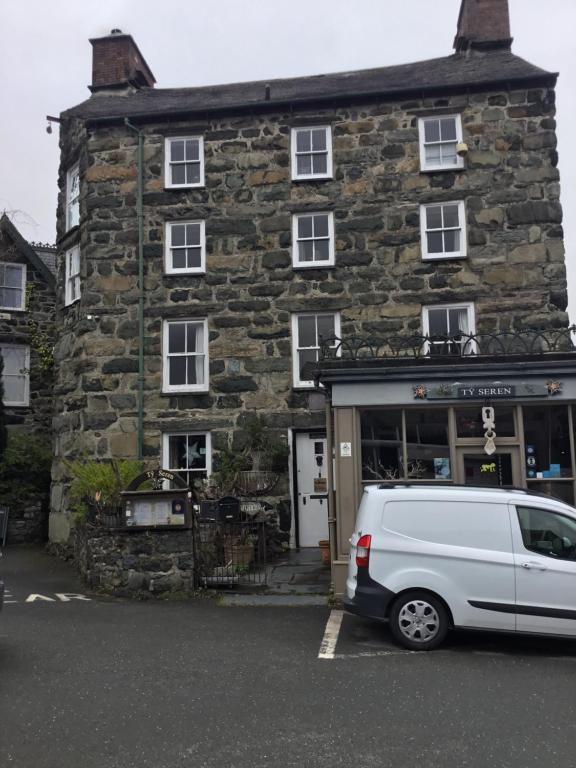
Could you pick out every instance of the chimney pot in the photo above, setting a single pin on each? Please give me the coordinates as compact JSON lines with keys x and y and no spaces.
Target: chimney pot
{"x":117,"y":63}
{"x":483,"y":25}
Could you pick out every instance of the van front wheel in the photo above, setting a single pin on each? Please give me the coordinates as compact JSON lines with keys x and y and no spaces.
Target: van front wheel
{"x":418,"y":621}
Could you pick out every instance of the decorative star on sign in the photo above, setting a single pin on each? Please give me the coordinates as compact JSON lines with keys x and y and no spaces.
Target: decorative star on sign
{"x":554,"y":387}
{"x":420,"y":392}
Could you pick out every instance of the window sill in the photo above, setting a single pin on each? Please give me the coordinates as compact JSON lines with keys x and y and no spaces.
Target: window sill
{"x":312,"y":178}
{"x":445,"y":257}
{"x":443,"y":169}
{"x":16,"y":405}
{"x":315,"y":265}
{"x":180,"y":272}
{"x":71,"y":303}
{"x":183,"y":186}
{"x":176,"y":392}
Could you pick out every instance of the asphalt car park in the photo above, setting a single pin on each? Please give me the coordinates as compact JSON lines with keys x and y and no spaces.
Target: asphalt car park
{"x":140,"y":684}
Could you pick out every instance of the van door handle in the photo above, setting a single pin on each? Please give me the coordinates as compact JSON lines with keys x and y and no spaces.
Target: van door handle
{"x":536,"y":566}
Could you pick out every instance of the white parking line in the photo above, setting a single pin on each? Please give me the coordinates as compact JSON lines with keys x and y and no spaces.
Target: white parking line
{"x":328,"y":644}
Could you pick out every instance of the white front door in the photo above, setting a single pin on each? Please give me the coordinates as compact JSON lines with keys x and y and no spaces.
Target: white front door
{"x":312,"y":483}
{"x":545,"y":555}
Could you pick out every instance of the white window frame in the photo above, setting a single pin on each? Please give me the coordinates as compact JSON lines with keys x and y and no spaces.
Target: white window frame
{"x":463,"y":252}
{"x":168,"y":262}
{"x":296,"y":348}
{"x":166,"y":452}
{"x":468,"y":306}
{"x":168,"y":163}
{"x":71,"y":279}
{"x":421,"y":135}
{"x":166,"y":386}
{"x":22,"y":267}
{"x":72,"y":202}
{"x":330,"y":262}
{"x":329,"y":169}
{"x":23,"y":374}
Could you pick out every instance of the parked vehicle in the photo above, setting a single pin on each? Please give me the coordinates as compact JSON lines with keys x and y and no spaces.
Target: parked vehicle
{"x":429,"y":558}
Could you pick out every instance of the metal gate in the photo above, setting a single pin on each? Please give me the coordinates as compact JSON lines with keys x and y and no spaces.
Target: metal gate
{"x":230,"y":546}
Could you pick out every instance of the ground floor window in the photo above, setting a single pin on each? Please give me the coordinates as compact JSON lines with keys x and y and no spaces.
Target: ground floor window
{"x":187,"y":454}
{"x":16,"y":374}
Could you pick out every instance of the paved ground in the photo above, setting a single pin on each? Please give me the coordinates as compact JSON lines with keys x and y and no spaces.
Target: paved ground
{"x":119,"y":684}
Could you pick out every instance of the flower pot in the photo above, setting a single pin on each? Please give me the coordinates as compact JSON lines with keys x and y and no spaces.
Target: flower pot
{"x":324,"y":545}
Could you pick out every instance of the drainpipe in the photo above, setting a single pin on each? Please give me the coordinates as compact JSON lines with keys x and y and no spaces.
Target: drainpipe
{"x":140,"y":215}
{"x":330,"y":453}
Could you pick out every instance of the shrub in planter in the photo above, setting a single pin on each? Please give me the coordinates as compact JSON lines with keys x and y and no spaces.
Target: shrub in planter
{"x":96,"y":487}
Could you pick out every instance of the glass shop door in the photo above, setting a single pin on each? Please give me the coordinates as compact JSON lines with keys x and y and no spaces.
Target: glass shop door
{"x":500,"y":469}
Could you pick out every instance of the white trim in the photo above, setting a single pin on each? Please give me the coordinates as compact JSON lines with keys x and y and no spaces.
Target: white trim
{"x":296,"y":348}
{"x":74,"y":170}
{"x":316,"y":264}
{"x":467,"y":305}
{"x":463,"y":252}
{"x":166,"y":387}
{"x":22,"y":286}
{"x":166,"y":450}
{"x":23,"y":374}
{"x":294,"y":167}
{"x":459,"y":160}
{"x":169,"y":269}
{"x":167,"y":163}
{"x":71,"y":279}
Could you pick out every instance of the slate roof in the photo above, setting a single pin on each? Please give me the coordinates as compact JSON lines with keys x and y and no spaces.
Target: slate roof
{"x":458,"y":71}
{"x":48,"y":255}
{"x":28,"y":251}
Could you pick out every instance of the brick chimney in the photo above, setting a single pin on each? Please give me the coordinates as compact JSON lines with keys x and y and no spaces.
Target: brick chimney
{"x":117,"y":63}
{"x":483,"y":25}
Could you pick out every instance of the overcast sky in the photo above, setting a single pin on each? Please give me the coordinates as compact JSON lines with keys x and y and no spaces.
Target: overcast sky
{"x":45,"y":66}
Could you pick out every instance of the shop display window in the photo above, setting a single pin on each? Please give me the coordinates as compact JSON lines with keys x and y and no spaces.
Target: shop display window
{"x":469,"y":421}
{"x":547,"y":442}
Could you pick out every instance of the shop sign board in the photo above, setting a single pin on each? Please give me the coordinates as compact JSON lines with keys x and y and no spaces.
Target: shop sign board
{"x":484,"y":391}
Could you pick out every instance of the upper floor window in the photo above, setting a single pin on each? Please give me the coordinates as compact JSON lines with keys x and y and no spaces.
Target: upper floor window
{"x":439,"y":137}
{"x":188,"y":455}
{"x":443,"y":230}
{"x":185,"y":247}
{"x":309,"y":331}
{"x":12,"y":286}
{"x":16,"y":374}
{"x":312,"y":152}
{"x":184,"y":161}
{"x":73,"y":197}
{"x":313,"y":240}
{"x":185,"y":366}
{"x":72,"y":277}
{"x":448,"y":327}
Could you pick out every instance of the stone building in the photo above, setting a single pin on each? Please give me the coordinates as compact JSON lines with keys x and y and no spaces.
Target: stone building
{"x":211,"y":237}
{"x":27,"y":309}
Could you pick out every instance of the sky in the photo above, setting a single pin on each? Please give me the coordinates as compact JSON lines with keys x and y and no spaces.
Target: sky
{"x":46,"y":59}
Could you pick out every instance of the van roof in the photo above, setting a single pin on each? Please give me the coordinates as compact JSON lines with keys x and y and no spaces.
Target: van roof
{"x":420,"y":490}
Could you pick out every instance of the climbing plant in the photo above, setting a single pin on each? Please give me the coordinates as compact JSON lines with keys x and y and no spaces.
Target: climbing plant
{"x":39,"y":339}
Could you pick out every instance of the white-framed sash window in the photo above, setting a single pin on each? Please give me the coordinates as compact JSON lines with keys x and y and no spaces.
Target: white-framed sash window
{"x":12,"y":286}
{"x":313,"y":240}
{"x":16,"y":374}
{"x":443,"y":230}
{"x":439,"y":137}
{"x":185,"y":364}
{"x":188,"y":454}
{"x":183,"y":161}
{"x":311,"y":152}
{"x":309,"y":331}
{"x":448,"y":327}
{"x":185,"y":247}
{"x":73,"y":197}
{"x":72,"y":275}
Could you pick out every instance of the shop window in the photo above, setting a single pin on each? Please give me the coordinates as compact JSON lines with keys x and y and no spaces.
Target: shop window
{"x":427,"y":445}
{"x":469,"y":422}
{"x":558,"y":489}
{"x":382,"y":439}
{"x":547,"y":442}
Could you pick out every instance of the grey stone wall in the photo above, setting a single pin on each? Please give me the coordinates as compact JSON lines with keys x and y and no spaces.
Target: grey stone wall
{"x":514,"y":272}
{"x":150,"y":563}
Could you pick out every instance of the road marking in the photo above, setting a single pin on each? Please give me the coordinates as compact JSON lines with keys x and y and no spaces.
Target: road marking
{"x":65,"y":597}
{"x":33,"y":598}
{"x":328,"y":644}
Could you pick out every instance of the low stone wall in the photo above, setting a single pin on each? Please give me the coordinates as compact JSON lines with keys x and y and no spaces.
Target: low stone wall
{"x":28,"y":521}
{"x":135,"y":562}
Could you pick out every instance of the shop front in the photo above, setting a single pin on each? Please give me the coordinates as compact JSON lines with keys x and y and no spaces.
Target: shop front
{"x":504,"y":419}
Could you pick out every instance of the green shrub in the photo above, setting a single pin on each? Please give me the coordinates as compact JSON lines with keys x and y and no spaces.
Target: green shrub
{"x":99,"y":483}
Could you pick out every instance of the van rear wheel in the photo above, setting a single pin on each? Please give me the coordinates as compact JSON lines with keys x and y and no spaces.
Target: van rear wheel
{"x":418,"y":621}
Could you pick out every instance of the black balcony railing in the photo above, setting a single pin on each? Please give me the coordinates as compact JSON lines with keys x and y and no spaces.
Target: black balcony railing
{"x":522,"y":343}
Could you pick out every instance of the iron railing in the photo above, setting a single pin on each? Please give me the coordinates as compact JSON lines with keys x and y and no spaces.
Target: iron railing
{"x":231,"y":553}
{"x":522,"y":343}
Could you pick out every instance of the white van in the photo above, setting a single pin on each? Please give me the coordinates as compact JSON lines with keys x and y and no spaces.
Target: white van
{"x":428,"y":558}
